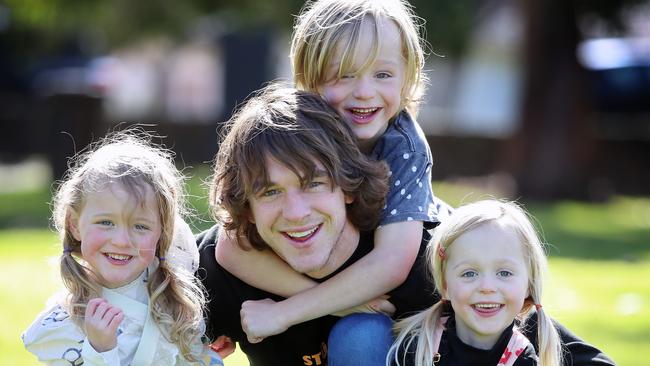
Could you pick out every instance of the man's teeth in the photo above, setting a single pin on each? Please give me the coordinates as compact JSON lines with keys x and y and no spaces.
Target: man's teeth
{"x":363,"y":110}
{"x":301,"y":234}
{"x":119,"y":257}
{"x":487,"y":306}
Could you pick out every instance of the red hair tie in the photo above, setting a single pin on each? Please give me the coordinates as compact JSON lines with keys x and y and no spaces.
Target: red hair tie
{"x":538,"y":306}
{"x":441,"y":252}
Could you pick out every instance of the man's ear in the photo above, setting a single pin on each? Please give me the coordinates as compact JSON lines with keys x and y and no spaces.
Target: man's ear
{"x":348,"y":199}
{"x":250,"y":217}
{"x":72,"y":222}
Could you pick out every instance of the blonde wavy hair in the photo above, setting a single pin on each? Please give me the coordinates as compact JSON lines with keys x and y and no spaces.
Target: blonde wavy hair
{"x":129,"y":158}
{"x":418,"y":330}
{"x":325,"y":25}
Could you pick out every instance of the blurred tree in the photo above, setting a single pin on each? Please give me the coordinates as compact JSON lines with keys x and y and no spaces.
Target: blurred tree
{"x":115,"y":22}
{"x":553,"y":155}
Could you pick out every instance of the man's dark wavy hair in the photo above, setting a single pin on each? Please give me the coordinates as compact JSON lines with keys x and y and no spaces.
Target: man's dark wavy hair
{"x":296,"y":128}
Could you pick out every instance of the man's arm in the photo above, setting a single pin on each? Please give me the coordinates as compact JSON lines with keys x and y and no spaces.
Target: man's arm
{"x":381,"y":270}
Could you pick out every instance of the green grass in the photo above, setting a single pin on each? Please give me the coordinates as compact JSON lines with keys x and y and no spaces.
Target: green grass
{"x":599,"y":266}
{"x":29,"y":276}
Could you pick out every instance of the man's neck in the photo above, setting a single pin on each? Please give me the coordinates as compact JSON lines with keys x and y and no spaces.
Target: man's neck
{"x":342,"y":251}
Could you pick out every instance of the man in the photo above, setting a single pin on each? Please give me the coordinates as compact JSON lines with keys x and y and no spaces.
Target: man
{"x":289,"y":178}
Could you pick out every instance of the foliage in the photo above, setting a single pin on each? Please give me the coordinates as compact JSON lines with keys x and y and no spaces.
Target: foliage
{"x":118,"y":22}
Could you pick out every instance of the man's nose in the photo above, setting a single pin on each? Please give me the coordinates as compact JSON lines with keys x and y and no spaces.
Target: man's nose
{"x":296,"y":207}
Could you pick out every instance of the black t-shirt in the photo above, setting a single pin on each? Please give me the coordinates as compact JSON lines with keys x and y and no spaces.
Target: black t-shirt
{"x":302,"y":344}
{"x":306,"y":343}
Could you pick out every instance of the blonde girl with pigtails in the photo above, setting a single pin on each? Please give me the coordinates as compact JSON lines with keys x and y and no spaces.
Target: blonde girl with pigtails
{"x":487,"y":262}
{"x":128,"y":261}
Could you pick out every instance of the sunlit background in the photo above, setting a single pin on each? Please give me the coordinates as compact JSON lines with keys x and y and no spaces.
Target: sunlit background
{"x":544,"y":101}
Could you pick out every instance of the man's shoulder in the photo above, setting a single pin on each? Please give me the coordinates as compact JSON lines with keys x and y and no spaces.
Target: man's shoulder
{"x":208,"y":237}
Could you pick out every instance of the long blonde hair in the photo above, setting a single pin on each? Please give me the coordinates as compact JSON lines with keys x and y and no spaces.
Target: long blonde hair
{"x":418,"y":330}
{"x":129,"y":158}
{"x":324,"y":24}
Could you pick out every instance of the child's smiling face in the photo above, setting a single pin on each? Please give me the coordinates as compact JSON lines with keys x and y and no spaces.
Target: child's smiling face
{"x":118,"y":234}
{"x":486,"y":281}
{"x":368,"y":96}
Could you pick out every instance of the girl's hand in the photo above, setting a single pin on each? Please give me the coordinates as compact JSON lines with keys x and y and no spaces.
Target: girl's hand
{"x":101,"y":322}
{"x":224,"y":346}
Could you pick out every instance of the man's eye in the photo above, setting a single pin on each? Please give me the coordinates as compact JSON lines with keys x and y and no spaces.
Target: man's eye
{"x":269,"y":193}
{"x":317,"y":185}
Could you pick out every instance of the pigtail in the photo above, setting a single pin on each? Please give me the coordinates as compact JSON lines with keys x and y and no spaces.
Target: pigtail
{"x":175,"y":294}
{"x":416,"y":335}
{"x":548,"y":339}
{"x":80,"y":286}
{"x":77,"y":279}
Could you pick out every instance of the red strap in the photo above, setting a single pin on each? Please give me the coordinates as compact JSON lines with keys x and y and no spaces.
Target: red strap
{"x":437,"y":336}
{"x":517,"y":344}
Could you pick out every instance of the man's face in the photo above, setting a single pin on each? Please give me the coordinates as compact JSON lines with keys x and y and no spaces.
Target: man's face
{"x":304,"y":224}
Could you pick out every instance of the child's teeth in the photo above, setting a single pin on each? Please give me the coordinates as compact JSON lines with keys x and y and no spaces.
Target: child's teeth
{"x":363,"y":110}
{"x":487,"y":306}
{"x":119,"y":257}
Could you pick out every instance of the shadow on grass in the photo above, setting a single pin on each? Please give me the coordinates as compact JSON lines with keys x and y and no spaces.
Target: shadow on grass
{"x":616,"y":230}
{"x":630,"y":246}
{"x":25,"y":209}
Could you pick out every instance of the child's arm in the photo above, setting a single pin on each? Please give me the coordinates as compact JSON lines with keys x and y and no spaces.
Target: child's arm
{"x":263,"y":269}
{"x":101,"y":322}
{"x":266,"y":271}
{"x":100,"y":325}
{"x":381,"y":270}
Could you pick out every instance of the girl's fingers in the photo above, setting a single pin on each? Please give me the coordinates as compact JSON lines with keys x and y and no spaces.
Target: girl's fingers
{"x":103,"y":313}
{"x":102,"y":308}
{"x":115,"y":321}
{"x":91,"y":307}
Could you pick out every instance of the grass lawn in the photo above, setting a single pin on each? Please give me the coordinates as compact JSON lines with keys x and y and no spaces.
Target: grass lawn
{"x":600,"y":266}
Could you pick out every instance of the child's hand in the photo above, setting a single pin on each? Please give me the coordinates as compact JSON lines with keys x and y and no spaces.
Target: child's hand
{"x":224,"y":346}
{"x":101,"y":322}
{"x":380,"y":305}
{"x":259,"y":319}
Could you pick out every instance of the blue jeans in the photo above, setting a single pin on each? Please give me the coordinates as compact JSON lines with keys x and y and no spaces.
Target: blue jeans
{"x":359,"y":340}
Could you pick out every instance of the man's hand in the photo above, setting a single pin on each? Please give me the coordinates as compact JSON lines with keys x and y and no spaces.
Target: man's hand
{"x":101,"y":322}
{"x":380,"y":305}
{"x":261,"y":319}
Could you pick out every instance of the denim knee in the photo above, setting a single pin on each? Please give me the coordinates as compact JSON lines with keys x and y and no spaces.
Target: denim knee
{"x":360,"y":339}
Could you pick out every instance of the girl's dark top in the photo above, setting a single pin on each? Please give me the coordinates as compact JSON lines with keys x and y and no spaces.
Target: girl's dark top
{"x":453,"y":352}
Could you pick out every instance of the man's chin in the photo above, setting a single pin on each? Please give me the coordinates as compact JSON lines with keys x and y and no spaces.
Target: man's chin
{"x":309,"y":269}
